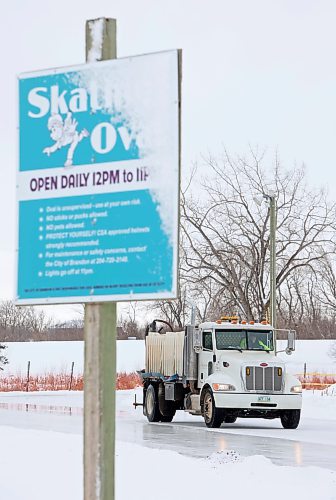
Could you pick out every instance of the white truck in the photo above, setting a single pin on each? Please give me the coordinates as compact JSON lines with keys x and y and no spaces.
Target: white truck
{"x":220,"y":370}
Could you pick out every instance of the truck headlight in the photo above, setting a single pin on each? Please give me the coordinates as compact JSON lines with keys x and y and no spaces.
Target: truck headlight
{"x":223,"y":387}
{"x":297,"y":389}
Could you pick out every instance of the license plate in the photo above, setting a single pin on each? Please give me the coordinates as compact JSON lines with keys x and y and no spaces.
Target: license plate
{"x":264,"y":399}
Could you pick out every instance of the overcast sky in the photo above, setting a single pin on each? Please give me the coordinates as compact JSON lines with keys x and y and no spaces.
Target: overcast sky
{"x":259,"y":72}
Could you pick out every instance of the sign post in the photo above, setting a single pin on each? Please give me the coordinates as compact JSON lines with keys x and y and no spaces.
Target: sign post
{"x":100,"y":334}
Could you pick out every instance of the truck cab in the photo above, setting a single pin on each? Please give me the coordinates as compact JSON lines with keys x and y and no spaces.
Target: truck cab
{"x":239,"y":372}
{"x":225,"y":346}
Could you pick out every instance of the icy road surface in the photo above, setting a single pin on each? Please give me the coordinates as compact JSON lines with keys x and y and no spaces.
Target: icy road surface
{"x":313,"y":443}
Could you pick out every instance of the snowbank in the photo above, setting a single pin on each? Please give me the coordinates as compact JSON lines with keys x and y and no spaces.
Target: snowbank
{"x":57,"y":357}
{"x":312,"y":352}
{"x":44,"y":357}
{"x":219,"y":476}
{"x":48,"y":465}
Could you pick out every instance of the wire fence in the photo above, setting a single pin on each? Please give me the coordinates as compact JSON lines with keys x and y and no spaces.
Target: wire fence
{"x":63,"y":381}
{"x":42,"y":382}
{"x":316,"y":379}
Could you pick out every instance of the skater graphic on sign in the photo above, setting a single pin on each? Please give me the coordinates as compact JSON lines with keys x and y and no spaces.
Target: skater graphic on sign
{"x":64,"y":134}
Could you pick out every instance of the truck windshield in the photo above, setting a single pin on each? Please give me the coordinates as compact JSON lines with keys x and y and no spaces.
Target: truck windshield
{"x":256,"y":340}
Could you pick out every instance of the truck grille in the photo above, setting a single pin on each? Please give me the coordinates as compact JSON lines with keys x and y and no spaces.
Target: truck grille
{"x":259,"y":378}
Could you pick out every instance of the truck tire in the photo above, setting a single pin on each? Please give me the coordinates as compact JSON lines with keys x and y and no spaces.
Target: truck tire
{"x":230,"y":419}
{"x":152,"y":405}
{"x":167,"y":408}
{"x":167,"y":418}
{"x":144,"y":399}
{"x":290,"y":419}
{"x":213,"y":417}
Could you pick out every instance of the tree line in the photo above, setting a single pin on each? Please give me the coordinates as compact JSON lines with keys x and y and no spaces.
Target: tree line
{"x":27,"y":324}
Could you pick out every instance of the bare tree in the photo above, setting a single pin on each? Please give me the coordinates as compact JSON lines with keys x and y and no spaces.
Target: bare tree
{"x":175,"y":312}
{"x":326,"y":284}
{"x":227,"y":233}
{"x":301,"y":305}
{"x":128,"y":322}
{"x":21,"y":322}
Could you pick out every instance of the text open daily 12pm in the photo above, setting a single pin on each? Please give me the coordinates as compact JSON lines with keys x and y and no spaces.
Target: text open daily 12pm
{"x":98,"y":181}
{"x":86,"y":179}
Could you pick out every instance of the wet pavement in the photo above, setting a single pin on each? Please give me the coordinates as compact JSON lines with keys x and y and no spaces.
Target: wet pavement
{"x":191,"y":438}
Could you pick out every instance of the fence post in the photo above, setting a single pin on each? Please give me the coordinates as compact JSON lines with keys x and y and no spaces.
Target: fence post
{"x":71,"y":376}
{"x":304,"y":373}
{"x":28,"y":373}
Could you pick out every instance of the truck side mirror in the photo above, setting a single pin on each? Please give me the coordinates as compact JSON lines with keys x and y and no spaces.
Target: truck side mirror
{"x":291,"y":341}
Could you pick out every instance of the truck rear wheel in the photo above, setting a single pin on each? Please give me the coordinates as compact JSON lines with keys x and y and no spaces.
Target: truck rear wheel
{"x":152,"y":405}
{"x":290,"y":419}
{"x":167,"y":408}
{"x":213,"y":417}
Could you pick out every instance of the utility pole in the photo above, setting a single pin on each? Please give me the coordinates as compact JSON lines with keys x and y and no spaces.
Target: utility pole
{"x":272,"y":203}
{"x":273,"y":224}
{"x":100,"y":328}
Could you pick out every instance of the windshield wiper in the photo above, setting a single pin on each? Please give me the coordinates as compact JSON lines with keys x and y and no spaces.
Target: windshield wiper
{"x":260,"y":350}
{"x":234,"y":348}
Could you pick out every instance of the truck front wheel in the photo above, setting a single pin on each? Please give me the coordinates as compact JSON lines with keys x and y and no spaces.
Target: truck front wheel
{"x":213,"y":417}
{"x":152,"y":405}
{"x":290,"y":419}
{"x":230,"y":419}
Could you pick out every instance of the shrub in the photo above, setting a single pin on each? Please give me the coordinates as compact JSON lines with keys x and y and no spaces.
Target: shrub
{"x":318,"y":381}
{"x":60,"y":382}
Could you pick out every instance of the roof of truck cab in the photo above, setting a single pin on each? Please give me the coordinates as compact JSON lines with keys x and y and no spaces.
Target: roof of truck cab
{"x":232,"y":326}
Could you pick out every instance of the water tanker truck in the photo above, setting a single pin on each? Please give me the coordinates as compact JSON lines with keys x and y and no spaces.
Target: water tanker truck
{"x":222,"y":370}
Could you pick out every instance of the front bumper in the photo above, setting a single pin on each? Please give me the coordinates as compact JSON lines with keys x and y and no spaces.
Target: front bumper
{"x":253,"y":401}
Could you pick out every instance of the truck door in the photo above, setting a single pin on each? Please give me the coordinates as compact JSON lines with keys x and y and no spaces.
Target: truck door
{"x":205,"y":357}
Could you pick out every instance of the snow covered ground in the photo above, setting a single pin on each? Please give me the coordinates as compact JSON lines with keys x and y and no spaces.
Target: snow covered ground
{"x":56,"y":457}
{"x":41,"y":465}
{"x":57,"y":357}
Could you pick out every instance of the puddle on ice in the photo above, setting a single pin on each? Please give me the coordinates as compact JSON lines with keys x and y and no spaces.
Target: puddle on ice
{"x":29,"y":407}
